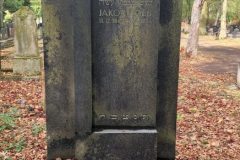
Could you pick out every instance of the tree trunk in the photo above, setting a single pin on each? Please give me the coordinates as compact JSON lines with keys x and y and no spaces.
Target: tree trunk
{"x":204,"y":19}
{"x":192,"y":45}
{"x":1,"y":25}
{"x":223,"y":29}
{"x":1,"y":13}
{"x":217,"y":18}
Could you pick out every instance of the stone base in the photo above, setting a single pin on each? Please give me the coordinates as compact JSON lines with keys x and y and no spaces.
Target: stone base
{"x":118,"y":145}
{"x":27,"y":65}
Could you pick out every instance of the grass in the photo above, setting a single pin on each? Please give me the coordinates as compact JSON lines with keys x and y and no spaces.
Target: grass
{"x":7,"y":120}
{"x":36,"y":129}
{"x":17,"y":146}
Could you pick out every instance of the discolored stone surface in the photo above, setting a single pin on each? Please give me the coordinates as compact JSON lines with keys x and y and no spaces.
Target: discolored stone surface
{"x":27,"y":65}
{"x":82,"y":66}
{"x":118,"y":145}
{"x":168,"y":64}
{"x":59,"y":71}
{"x":111,"y":67}
{"x":26,"y":58}
{"x":125,"y":50}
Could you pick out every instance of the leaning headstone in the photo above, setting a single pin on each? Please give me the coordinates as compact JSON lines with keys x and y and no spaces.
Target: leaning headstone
{"x":26,"y":59}
{"x":111,"y":80}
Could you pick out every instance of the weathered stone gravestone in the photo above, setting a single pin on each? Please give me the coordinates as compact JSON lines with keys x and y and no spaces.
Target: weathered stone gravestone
{"x":111,"y":78}
{"x":26,"y":59}
{"x":235,"y":33}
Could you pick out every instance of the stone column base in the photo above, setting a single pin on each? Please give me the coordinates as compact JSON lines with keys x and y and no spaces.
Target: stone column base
{"x":118,"y":145}
{"x":27,"y":65}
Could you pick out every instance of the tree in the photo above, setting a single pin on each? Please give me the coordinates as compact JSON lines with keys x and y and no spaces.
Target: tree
{"x":12,"y":5}
{"x":186,"y":10}
{"x":192,"y":45}
{"x":26,"y":3}
{"x":223,"y":29}
{"x":36,"y":7}
{"x":1,"y":13}
{"x":204,"y":19}
{"x":1,"y":25}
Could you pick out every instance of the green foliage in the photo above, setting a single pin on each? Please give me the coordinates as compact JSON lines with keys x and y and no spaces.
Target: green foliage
{"x":179,"y":117}
{"x":36,"y":7}
{"x":12,"y":5}
{"x":36,"y":129}
{"x":233,"y":11}
{"x":26,"y":3}
{"x":214,"y":7}
{"x":8,"y":16}
{"x":187,"y":10}
{"x":17,"y":146}
{"x":7,"y":120}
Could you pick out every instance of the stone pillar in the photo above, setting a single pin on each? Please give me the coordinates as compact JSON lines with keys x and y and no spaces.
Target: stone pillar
{"x":125,"y":51}
{"x":168,"y":67}
{"x":26,"y":59}
{"x":59,"y":77}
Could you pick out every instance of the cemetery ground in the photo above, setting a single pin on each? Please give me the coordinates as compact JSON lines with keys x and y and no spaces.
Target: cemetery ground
{"x":208,"y":124}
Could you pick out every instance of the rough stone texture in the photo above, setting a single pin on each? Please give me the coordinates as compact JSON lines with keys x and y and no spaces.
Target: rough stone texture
{"x":25,"y":40}
{"x":125,"y":51}
{"x":170,"y":19}
{"x":118,"y":145}
{"x":59,"y":70}
{"x":83,"y":66}
{"x":131,"y":71}
{"x":30,"y":66}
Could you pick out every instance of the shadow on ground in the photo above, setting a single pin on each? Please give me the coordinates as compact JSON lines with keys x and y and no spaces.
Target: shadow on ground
{"x":224,"y":59}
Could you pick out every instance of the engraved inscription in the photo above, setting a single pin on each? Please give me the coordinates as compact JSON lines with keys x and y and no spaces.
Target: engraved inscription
{"x":125,"y":2}
{"x":124,"y":117}
{"x":108,"y":14}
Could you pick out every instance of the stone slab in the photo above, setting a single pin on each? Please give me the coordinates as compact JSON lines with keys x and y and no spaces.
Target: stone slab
{"x":27,"y":66}
{"x":125,"y":50}
{"x":118,"y":145}
{"x":25,"y":37}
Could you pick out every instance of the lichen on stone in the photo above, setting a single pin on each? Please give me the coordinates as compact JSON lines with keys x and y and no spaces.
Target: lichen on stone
{"x":23,"y":12}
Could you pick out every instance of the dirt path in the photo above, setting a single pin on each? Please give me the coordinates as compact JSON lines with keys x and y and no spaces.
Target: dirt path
{"x":222,"y":56}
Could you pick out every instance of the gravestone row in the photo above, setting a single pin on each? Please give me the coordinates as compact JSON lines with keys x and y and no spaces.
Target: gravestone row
{"x":111,"y":78}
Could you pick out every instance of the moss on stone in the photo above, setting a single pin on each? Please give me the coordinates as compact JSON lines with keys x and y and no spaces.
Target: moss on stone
{"x":23,"y":12}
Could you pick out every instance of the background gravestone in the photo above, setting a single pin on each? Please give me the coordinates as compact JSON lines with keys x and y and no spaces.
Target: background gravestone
{"x":26,"y":58}
{"x":111,"y":80}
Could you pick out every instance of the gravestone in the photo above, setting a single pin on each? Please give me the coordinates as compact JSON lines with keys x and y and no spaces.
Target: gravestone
{"x":26,"y":58}
{"x":235,"y":33}
{"x":111,"y":78}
